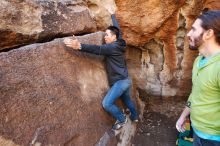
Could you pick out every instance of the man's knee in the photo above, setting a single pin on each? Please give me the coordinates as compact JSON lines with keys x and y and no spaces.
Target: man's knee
{"x":106,"y":105}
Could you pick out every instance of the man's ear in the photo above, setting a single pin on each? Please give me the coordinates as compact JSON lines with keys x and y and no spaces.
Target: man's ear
{"x":114,"y":37}
{"x":208,"y":34}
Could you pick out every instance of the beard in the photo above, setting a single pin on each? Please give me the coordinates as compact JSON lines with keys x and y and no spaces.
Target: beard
{"x":197,"y":42}
{"x":193,"y":47}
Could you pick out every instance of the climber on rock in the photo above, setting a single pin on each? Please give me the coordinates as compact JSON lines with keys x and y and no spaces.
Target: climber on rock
{"x":117,"y":71}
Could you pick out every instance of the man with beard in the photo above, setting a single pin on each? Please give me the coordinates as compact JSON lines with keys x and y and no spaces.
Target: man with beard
{"x":203,"y":104}
{"x":119,"y":80}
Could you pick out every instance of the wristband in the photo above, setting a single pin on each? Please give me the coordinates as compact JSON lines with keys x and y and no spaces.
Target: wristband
{"x":188,"y":104}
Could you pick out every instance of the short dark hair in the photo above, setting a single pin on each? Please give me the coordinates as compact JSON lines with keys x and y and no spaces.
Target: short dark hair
{"x":114,"y":30}
{"x":211,"y":20}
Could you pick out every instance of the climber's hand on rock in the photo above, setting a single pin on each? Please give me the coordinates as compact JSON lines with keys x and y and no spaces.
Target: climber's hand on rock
{"x":111,"y":9}
{"x":72,"y":43}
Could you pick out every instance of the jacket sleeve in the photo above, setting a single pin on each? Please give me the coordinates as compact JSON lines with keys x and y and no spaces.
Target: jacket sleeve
{"x":115,"y":23}
{"x":106,"y":49}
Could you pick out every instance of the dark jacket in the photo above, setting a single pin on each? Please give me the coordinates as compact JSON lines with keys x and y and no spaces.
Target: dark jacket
{"x":114,"y":56}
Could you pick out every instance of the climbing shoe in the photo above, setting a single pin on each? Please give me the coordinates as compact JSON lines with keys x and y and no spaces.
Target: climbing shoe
{"x":135,"y":120}
{"x":118,"y":125}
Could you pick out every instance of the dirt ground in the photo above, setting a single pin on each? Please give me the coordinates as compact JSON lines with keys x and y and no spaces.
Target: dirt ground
{"x":157,"y":127}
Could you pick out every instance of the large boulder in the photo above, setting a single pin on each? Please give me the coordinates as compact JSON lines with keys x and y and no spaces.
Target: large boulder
{"x":24,"y":22}
{"x":51,"y":95}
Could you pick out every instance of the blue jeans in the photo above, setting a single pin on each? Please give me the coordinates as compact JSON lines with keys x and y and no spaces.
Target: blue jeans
{"x":120,"y":89}
{"x":197,"y":141}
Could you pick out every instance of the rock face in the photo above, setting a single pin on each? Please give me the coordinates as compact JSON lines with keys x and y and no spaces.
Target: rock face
{"x":25,"y":22}
{"x":48,"y":95}
{"x":98,"y":9}
{"x":155,"y":30}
